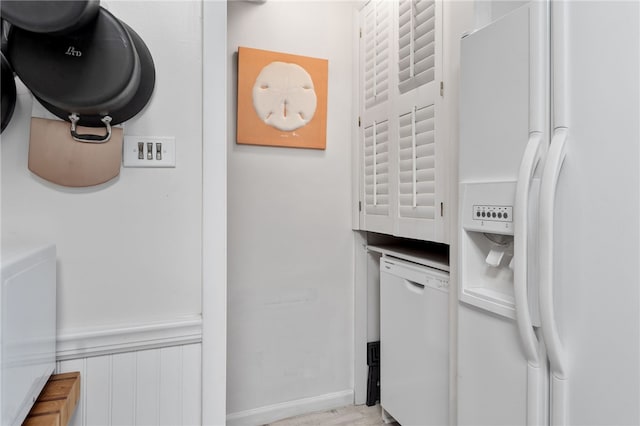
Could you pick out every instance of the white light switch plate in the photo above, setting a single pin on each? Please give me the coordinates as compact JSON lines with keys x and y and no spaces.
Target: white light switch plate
{"x":130,"y":154}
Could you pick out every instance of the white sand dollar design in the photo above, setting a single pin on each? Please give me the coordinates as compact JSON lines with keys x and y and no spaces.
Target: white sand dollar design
{"x":284,"y":96}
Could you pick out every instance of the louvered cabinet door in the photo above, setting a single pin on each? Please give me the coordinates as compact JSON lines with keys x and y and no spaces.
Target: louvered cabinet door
{"x":376,"y":20}
{"x":376,"y":211}
{"x":421,"y":181}
{"x":418,"y":39}
{"x":419,"y":189}
{"x":376,"y":25}
{"x":402,"y":153}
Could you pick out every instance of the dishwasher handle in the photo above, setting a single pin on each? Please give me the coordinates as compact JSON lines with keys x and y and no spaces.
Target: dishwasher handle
{"x":414,"y":286}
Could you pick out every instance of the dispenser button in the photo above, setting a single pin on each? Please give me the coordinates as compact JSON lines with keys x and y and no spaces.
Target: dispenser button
{"x":496,"y":213}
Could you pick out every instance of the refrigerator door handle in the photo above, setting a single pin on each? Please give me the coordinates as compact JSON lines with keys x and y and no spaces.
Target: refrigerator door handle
{"x":530,"y":160}
{"x":555,"y":349}
{"x":536,"y":370}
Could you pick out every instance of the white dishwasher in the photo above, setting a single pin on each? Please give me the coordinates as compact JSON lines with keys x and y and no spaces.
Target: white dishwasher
{"x":414,"y":342}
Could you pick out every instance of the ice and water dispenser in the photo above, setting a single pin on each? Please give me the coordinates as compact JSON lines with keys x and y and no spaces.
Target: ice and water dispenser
{"x":487,"y":246}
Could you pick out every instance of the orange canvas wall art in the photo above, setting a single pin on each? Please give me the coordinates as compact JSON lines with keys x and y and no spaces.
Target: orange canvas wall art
{"x":282,"y":99}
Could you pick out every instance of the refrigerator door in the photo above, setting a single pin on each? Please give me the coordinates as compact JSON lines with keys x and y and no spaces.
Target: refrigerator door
{"x":590,"y":292}
{"x":492,"y":371}
{"x":504,"y":104}
{"x":494,"y":104}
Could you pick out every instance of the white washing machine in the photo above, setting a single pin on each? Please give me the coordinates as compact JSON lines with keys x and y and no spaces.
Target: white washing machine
{"x":28,"y":325}
{"x":414,"y":342}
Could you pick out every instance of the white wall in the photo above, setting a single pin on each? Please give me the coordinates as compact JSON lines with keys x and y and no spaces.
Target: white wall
{"x":290,"y":267}
{"x":129,"y":251}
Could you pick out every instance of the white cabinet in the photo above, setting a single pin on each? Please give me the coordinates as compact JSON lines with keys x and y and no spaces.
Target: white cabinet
{"x":402,"y":150}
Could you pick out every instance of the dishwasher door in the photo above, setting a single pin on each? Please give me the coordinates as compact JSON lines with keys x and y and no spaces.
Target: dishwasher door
{"x":414,"y":343}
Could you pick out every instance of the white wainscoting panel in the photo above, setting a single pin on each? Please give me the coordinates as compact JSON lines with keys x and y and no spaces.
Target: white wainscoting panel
{"x":141,"y":375}
{"x":149,"y":387}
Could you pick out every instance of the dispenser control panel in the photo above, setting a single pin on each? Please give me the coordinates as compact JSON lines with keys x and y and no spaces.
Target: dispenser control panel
{"x":488,"y":206}
{"x":493,"y":213}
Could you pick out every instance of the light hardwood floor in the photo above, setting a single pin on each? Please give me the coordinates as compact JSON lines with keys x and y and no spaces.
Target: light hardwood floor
{"x":356,"y":415}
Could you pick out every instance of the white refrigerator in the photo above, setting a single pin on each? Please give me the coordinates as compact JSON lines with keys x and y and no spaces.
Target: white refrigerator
{"x":549,"y":249}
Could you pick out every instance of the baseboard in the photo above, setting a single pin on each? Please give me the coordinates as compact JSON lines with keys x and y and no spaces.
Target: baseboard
{"x":272,"y":413}
{"x":74,"y":344}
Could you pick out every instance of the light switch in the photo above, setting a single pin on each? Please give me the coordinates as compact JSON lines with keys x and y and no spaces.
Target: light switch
{"x":149,"y":151}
